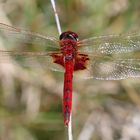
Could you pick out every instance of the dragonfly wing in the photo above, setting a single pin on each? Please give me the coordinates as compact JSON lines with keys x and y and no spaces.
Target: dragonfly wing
{"x":30,"y":59}
{"x":18,"y":37}
{"x":27,"y":48}
{"x":112,"y":44}
{"x":112,"y":57}
{"x":111,"y":69}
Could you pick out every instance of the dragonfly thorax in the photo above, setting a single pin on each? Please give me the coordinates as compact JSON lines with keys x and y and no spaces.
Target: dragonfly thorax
{"x":68,"y":48}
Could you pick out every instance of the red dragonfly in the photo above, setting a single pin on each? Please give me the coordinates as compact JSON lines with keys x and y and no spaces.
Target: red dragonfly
{"x":111,"y":57}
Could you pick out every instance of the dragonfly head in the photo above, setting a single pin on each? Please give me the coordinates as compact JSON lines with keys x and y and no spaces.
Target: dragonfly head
{"x":69,"y":35}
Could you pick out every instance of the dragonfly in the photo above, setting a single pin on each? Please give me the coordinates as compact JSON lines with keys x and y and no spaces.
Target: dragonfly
{"x":112,"y":57}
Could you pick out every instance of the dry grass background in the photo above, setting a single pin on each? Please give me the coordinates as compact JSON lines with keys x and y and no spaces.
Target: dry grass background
{"x":30,"y":98}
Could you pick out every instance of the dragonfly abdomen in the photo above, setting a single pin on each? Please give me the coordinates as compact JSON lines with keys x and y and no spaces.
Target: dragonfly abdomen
{"x":67,"y":97}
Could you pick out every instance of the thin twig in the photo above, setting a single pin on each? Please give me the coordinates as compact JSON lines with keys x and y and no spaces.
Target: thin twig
{"x":59,"y":30}
{"x":70,"y":128}
{"x":56,"y":17}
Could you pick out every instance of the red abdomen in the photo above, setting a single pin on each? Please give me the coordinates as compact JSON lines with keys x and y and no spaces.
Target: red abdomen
{"x":67,"y":94}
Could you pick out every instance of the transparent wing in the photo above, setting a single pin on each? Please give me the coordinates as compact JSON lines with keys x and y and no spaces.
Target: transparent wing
{"x":30,"y":59}
{"x":17,"y":37}
{"x":112,"y":44}
{"x":27,"y":48}
{"x":107,"y":68}
{"x":112,"y":57}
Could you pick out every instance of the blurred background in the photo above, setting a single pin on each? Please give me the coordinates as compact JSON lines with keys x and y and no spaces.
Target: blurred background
{"x":31,"y":98}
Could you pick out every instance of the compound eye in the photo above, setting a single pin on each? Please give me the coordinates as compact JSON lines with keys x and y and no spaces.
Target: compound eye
{"x":61,"y":36}
{"x":75,"y":36}
{"x":69,"y":35}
